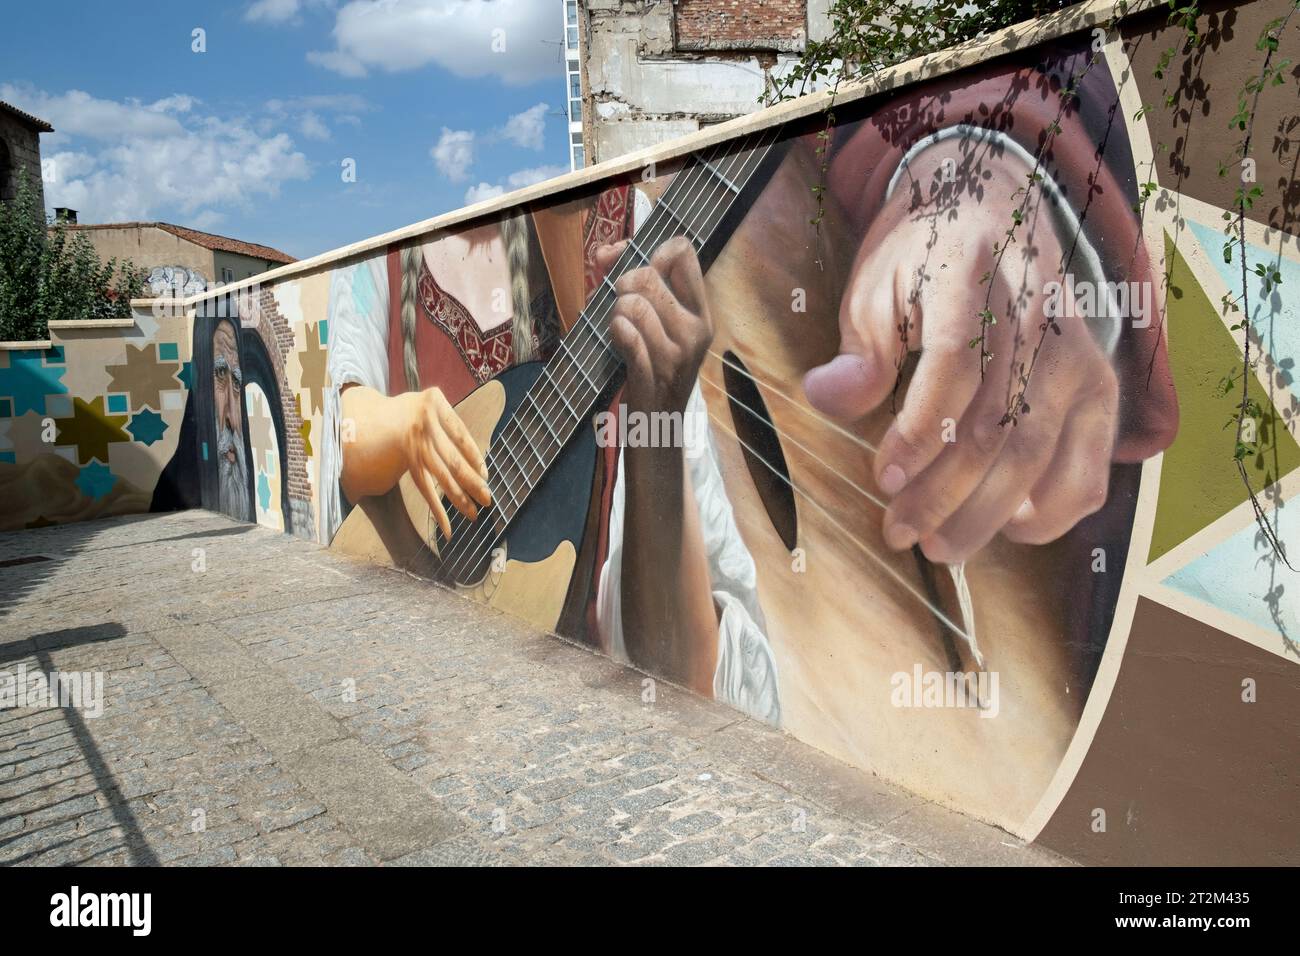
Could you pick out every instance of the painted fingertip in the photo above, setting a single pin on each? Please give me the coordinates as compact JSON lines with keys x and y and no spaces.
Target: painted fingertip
{"x":938,"y":550}
{"x":892,"y":480}
{"x":842,"y":387}
{"x":900,"y":536}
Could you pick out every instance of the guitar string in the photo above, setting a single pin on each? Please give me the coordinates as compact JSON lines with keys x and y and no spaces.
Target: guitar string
{"x":469,"y":546}
{"x":886,"y":565}
{"x":801,"y":406}
{"x":458,"y":543}
{"x":798,"y":444}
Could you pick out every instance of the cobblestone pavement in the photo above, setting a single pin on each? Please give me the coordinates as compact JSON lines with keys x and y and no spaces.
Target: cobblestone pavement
{"x":267,"y":702}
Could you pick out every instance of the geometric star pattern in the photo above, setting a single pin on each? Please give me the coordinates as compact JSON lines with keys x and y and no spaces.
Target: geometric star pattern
{"x":28,"y":381}
{"x":304,"y":429}
{"x":313,"y":368}
{"x":143,"y":376}
{"x":95,"y":480}
{"x":91,"y":429}
{"x":259,"y":418}
{"x":147,"y":426}
{"x":263,"y":491}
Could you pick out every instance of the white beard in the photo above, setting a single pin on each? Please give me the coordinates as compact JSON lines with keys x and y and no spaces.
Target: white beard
{"x":232,"y":488}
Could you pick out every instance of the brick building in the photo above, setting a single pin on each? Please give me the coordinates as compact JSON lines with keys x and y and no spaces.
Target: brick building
{"x":20,"y":151}
{"x":652,"y":71}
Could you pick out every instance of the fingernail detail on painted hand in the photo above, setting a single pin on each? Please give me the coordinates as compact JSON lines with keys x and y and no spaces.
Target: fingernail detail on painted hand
{"x":900,"y":536}
{"x":892,"y":480}
{"x":841,"y":387}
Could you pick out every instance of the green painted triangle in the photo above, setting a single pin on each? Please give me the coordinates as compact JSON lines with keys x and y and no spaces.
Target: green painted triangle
{"x":1198,"y":481}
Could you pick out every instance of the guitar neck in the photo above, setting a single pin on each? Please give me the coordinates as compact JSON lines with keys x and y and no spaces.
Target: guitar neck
{"x":701,"y":205}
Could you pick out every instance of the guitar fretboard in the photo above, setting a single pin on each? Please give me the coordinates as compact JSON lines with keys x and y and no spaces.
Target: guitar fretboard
{"x":585,"y":363}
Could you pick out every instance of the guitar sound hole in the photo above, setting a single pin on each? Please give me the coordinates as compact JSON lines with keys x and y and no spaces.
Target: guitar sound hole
{"x":762,"y":448}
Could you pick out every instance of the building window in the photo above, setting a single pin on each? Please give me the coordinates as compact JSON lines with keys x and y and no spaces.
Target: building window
{"x":578,"y":161}
{"x":227,"y":275}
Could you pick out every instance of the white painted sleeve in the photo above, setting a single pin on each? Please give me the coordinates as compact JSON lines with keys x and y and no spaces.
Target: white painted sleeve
{"x":746,"y":675}
{"x":358,"y":355}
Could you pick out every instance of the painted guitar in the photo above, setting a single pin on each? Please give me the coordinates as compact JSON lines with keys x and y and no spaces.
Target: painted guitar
{"x":533,"y":422}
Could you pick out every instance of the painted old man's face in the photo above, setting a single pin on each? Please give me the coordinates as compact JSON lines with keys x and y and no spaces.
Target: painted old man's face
{"x":228,"y":391}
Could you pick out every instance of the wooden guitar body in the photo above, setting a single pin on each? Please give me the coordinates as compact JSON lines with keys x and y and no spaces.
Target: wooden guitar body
{"x":844,"y":614}
{"x":531,"y":575}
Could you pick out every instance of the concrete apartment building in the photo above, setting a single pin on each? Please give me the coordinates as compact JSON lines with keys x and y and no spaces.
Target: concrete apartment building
{"x":180,"y":260}
{"x":652,"y":70}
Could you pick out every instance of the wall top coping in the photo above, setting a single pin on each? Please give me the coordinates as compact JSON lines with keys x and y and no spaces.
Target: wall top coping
{"x":24,"y":346}
{"x":1008,"y":40}
{"x":92,"y":324}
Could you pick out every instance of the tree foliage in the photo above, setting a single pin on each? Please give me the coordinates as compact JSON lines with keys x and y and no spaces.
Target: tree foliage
{"x":868,"y":35}
{"x":49,"y":274}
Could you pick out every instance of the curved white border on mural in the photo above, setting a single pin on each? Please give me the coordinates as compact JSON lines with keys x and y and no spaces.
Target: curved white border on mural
{"x":1103,"y":683}
{"x":1165,"y":211}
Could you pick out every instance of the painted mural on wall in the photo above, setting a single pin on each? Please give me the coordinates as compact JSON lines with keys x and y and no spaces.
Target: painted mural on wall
{"x":87,"y":422}
{"x":676,"y":421}
{"x":234,"y":451}
{"x":957,"y":510}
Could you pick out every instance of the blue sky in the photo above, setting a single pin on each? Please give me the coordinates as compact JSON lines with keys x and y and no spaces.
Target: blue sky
{"x":437,"y":101}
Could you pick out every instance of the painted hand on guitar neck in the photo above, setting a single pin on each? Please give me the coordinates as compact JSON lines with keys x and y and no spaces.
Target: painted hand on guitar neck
{"x":661,"y":327}
{"x":953,"y":489}
{"x":417,"y":433}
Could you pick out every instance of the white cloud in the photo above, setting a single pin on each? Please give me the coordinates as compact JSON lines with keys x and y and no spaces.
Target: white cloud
{"x":313,"y":127}
{"x":272,"y":11}
{"x":454,"y":153}
{"x":537,"y":174}
{"x":527,"y":129}
{"x":481,"y":192}
{"x":340,"y":63}
{"x":76,"y":113}
{"x":280,"y":11}
{"x":132,"y":161}
{"x":516,"y":180}
{"x":470,"y":38}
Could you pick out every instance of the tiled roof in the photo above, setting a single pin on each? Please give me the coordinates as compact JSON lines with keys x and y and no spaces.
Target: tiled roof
{"x":205,"y":239}
{"x":226,"y":244}
{"x":27,"y":119}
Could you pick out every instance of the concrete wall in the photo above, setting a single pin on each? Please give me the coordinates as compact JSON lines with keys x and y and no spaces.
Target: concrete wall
{"x":655,"y":70}
{"x":1129,"y":635}
{"x":149,"y":246}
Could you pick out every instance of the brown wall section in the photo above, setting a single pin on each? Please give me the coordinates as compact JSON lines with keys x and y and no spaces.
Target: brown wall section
{"x":1206,"y":83}
{"x":1188,"y":773}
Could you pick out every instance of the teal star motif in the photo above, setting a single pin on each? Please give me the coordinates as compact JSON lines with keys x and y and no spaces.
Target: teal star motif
{"x":147,"y":426}
{"x":28,"y":381}
{"x":263,"y":491}
{"x":95,"y":480}
{"x":187,"y":370}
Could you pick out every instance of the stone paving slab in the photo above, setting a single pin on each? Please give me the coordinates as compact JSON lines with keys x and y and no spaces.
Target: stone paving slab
{"x":267,"y":702}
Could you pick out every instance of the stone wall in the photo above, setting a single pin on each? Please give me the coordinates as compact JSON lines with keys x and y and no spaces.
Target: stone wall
{"x":24,"y":154}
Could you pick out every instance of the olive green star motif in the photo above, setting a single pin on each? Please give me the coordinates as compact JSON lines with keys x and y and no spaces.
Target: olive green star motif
{"x":91,"y":429}
{"x":144,"y":376}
